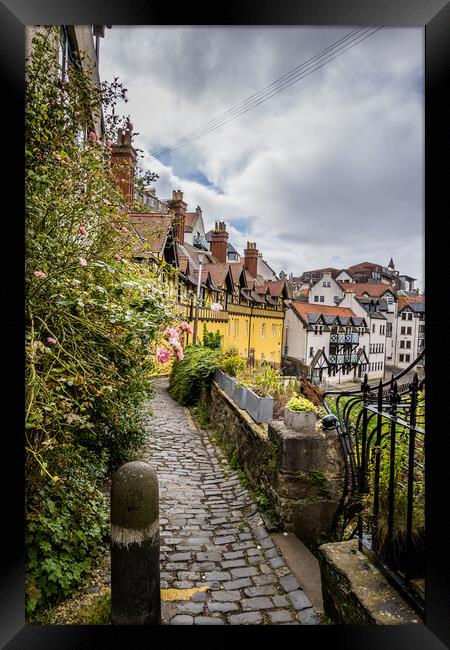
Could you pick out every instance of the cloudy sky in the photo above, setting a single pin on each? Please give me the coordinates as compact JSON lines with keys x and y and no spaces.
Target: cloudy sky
{"x":328,"y":172}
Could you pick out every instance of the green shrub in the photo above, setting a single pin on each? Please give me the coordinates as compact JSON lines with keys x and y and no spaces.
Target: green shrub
{"x":232,"y":365}
{"x":192,"y":374}
{"x":301,"y":404}
{"x":210,"y":340}
{"x":67,"y":523}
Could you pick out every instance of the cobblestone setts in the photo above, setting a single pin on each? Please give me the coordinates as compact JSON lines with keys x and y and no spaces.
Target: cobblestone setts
{"x":212,"y":534}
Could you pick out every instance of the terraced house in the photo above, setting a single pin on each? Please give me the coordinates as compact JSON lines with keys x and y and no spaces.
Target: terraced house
{"x":240,"y":296}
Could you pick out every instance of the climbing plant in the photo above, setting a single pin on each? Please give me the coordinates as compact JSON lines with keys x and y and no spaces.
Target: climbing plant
{"x":93,"y":320}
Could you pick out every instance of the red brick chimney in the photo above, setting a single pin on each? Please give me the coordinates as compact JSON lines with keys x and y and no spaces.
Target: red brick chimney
{"x":219,"y":241}
{"x":251,"y":258}
{"x":177,"y":205}
{"x":123,"y":161}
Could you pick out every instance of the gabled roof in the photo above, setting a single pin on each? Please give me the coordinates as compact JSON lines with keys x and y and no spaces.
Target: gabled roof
{"x":220,"y":274}
{"x":152,"y":230}
{"x":372,"y":290}
{"x":309,"y":313}
{"x":319,"y":356}
{"x":415,"y":303}
{"x":189,"y":219}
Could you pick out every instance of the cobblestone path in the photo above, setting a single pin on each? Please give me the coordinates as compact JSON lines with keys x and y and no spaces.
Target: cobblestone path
{"x":211,"y":533}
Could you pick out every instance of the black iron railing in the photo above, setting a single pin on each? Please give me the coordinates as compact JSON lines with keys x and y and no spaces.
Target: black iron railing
{"x":382,"y":431}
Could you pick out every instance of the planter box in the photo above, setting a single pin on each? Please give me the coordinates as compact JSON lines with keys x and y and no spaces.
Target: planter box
{"x":240,"y":395}
{"x":259,"y":408}
{"x":301,"y":421}
{"x":228,"y":385}
{"x":219,"y":378}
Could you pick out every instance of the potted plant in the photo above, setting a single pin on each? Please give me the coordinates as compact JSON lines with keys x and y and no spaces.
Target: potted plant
{"x":300,"y":414}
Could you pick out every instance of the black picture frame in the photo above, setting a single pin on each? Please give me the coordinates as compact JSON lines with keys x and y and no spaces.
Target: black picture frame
{"x":434,"y":16}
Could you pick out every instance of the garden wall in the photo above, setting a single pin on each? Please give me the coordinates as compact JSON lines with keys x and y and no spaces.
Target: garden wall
{"x":300,"y":472}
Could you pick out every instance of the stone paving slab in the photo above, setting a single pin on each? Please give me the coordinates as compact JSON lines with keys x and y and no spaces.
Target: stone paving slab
{"x":212,"y":534}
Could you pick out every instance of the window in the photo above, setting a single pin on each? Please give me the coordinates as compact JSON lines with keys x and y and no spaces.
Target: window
{"x":373,"y":328}
{"x":408,"y":330}
{"x":401,"y":357}
{"x":311,"y":351}
{"x":407,"y":357}
{"x":403,"y":330}
{"x":306,"y":276}
{"x":263,"y":330}
{"x":408,"y":345}
{"x":322,"y":298}
{"x":326,"y":284}
{"x":389,"y":329}
{"x":316,"y":298}
{"x":402,"y":344}
{"x":421,"y":329}
{"x":409,"y":316}
{"x":404,"y":315}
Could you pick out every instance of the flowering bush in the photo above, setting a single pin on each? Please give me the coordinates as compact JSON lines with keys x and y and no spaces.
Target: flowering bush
{"x":301,"y":404}
{"x":193,"y":373}
{"x":93,"y":320}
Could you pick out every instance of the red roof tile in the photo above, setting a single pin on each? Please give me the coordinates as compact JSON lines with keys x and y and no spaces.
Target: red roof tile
{"x":304,"y":308}
{"x":152,"y":230}
{"x":374,"y":290}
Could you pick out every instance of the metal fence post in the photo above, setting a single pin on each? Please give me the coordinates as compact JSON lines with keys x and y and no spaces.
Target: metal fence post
{"x":135,"y":580}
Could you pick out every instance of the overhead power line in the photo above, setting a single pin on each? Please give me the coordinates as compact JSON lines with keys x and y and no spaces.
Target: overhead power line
{"x":317,"y":61}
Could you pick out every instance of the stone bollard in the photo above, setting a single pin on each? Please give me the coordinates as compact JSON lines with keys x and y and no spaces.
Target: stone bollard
{"x":135,"y":582}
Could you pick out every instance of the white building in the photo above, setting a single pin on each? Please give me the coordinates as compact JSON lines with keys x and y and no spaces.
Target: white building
{"x":338,"y":338}
{"x":410,"y":330}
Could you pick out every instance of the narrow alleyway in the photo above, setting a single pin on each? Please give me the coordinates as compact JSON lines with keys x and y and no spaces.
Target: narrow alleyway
{"x":212,"y":535}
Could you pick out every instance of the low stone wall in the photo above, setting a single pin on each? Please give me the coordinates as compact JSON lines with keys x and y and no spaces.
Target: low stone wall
{"x":355,"y":592}
{"x":301,"y":473}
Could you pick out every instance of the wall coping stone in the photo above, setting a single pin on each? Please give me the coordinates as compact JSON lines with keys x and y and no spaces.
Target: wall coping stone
{"x":356,"y":592}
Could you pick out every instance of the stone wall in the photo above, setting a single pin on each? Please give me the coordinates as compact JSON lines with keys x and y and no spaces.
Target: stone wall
{"x":301,"y":472}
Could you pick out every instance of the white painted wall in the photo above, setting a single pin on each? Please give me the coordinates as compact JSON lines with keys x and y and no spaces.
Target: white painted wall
{"x":324,"y":295}
{"x":412,"y":338}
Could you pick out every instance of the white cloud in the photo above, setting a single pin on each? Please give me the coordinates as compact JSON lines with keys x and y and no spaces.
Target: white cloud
{"x":330,"y":168}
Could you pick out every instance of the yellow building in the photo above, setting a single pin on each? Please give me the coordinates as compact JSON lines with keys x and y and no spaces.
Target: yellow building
{"x":246,"y":307}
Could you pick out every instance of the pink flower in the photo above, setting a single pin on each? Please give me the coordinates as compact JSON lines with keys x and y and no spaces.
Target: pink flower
{"x":117,"y":257}
{"x":187,"y":328}
{"x":82,"y":261}
{"x":83,"y":231}
{"x":51,"y":341}
{"x":175,"y":342}
{"x":172,"y":332}
{"x":162,"y":355}
{"x":92,"y":136}
{"x":124,"y":229}
{"x":40,"y":274}
{"x":180,"y":354}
